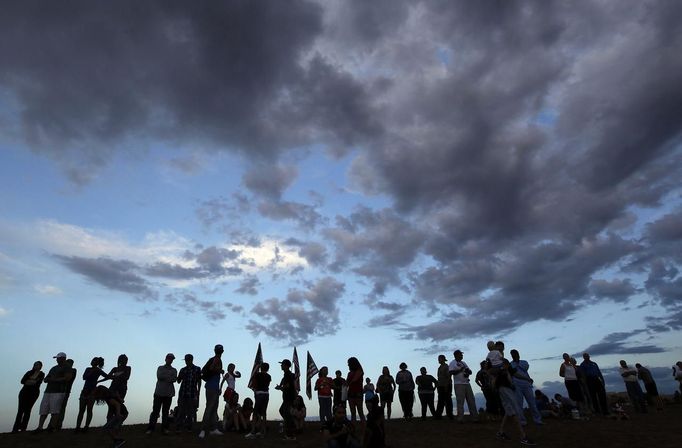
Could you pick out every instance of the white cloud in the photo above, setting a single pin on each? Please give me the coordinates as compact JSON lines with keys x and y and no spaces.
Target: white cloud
{"x":48,"y":290}
{"x":3,"y":312}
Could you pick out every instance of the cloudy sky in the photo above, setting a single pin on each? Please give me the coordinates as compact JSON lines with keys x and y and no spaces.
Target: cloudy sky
{"x":388,"y":180}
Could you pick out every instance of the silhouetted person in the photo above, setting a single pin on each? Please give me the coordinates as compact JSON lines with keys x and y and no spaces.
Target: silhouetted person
{"x":632,"y":386}
{"x":28,"y":395}
{"x":354,"y":381}
{"x":386,"y":389}
{"x":339,"y":384}
{"x":261,"y":385}
{"x":405,"y":383}
{"x":524,"y":387}
{"x":188,"y":395}
{"x":461,"y":372}
{"x":67,"y":391}
{"x":644,"y":374}
{"x":288,"y":388}
{"x":426,"y":384}
{"x":166,"y":375}
{"x":211,"y":373}
{"x":324,"y":386}
{"x":51,"y":404}
{"x":117,"y":413}
{"x":595,"y":384}
{"x":444,"y":388}
{"x":86,"y":401}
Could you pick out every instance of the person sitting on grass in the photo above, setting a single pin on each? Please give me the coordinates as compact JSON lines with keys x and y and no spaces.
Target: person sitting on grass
{"x":231,"y":420}
{"x":566,"y":405}
{"x":298,"y":412}
{"x":375,"y":433}
{"x":505,"y":388}
{"x":340,"y":432}
{"x":544,"y":406}
{"x":116,"y":415}
{"x":246,"y":413}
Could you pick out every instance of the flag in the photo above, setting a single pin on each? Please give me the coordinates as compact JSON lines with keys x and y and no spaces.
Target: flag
{"x":256,"y":365}
{"x":297,"y":372}
{"x":310,"y":371}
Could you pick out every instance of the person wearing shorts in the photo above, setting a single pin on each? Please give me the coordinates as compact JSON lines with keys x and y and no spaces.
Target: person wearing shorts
{"x":505,"y":388}
{"x":53,"y":397}
{"x":261,"y":385}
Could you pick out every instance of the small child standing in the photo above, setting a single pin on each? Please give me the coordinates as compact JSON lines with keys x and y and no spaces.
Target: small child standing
{"x":368,"y":392}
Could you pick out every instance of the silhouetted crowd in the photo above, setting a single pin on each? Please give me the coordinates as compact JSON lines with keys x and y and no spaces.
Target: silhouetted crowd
{"x":506,"y":384}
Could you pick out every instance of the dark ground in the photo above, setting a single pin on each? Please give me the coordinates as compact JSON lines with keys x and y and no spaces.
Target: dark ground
{"x":656,"y":430}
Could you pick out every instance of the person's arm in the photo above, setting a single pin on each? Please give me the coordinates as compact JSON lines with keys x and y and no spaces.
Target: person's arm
{"x":28,"y":374}
{"x":562,"y":370}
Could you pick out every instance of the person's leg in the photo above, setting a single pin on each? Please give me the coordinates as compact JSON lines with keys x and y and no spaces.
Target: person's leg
{"x":471,"y":401}
{"x":154,"y":416}
{"x":361,"y":413}
{"x":460,"y":396}
{"x":388,"y":409}
{"x":422,"y":402}
{"x":56,"y":414}
{"x":519,"y":400}
{"x":165,"y":411}
{"x":530,"y":399}
{"x":448,"y":402}
{"x":81,"y":412}
{"x":21,"y":410}
{"x":430,"y":403}
{"x":209,"y":420}
{"x":440,"y":406}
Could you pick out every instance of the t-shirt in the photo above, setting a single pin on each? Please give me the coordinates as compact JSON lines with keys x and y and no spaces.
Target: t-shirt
{"x":461,"y":367}
{"x":443,"y":375}
{"x":33,"y":380}
{"x":385,"y":384}
{"x":91,"y":375}
{"x":261,"y":381}
{"x":211,"y":373}
{"x":119,"y":379}
{"x":230,"y":379}
{"x":425,"y":384}
{"x":72,"y":378}
{"x":404,"y":381}
{"x":56,"y":379}
{"x":333,"y":427}
{"x":569,"y":372}
{"x":288,"y":387}
{"x":628,"y":378}
{"x":521,"y":368}
{"x":368,"y":390}
{"x":324,"y":387}
{"x":495,"y":358}
{"x":645,"y":375}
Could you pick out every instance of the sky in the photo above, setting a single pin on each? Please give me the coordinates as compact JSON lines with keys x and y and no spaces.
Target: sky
{"x":389,"y":180}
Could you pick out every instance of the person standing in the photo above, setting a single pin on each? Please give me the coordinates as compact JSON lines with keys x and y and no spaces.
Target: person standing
{"x":632,"y":386}
{"x":405,"y":384}
{"x":116,"y":414}
{"x":444,"y":389}
{"x":166,"y":375}
{"x":386,"y":390}
{"x":595,"y":384}
{"x":339,"y":386}
{"x":119,"y":376}
{"x":87,"y":400}
{"x":211,"y":373}
{"x":28,"y":395}
{"x":677,"y":373}
{"x":568,"y":372}
{"x":524,"y":387}
{"x":51,"y":404}
{"x":644,"y":374}
{"x":426,"y":384}
{"x":188,"y":395}
{"x":261,"y":389}
{"x":492,"y":398}
{"x":323,"y":386}
{"x":460,"y":372}
{"x":505,"y":389}
{"x":354,"y":382}
{"x":71,"y":377}
{"x":288,"y":388}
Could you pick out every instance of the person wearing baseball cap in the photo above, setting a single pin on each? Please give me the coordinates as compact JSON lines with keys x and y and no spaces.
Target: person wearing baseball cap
{"x":289,"y":393}
{"x":460,"y":372}
{"x":166,"y":375}
{"x":55,"y":390}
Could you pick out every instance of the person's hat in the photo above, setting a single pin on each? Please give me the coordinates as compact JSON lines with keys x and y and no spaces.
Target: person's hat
{"x":170,"y":355}
{"x":285,"y":362}
{"x":60,"y":355}
{"x":218,"y":348}
{"x":458,"y":352}
{"x":189,"y":356}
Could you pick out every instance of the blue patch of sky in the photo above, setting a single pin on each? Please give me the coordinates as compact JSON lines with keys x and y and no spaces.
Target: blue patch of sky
{"x":444,"y":55}
{"x":546,"y":117}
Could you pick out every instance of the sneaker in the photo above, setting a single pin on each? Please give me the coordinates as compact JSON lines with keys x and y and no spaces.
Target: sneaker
{"x":254,"y":435}
{"x":502,"y":436}
{"x":526,"y":441}
{"x":119,"y":443}
{"x":202,"y":434}
{"x":149,"y":431}
{"x":216,"y":432}
{"x":289,"y":437}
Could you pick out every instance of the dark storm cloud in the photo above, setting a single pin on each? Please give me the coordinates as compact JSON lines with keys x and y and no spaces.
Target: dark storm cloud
{"x":90,"y":77}
{"x":618,"y":290}
{"x":303,"y":214}
{"x":117,"y":275}
{"x":374,"y":244}
{"x":303,"y":314}
{"x":617,"y":344}
{"x":211,"y":263}
{"x":269,"y":181}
